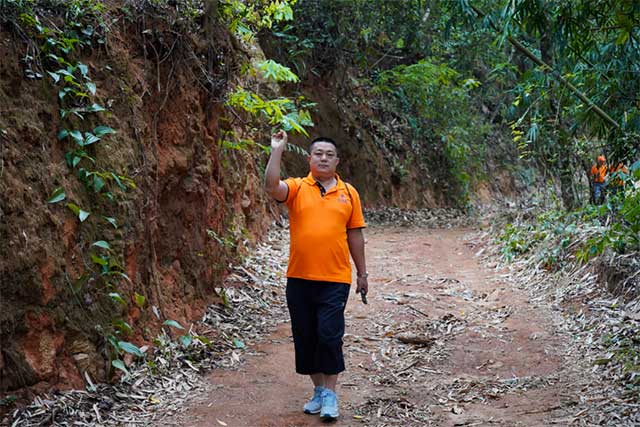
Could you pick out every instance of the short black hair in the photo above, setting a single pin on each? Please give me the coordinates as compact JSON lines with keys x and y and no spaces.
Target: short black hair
{"x":323,"y":139}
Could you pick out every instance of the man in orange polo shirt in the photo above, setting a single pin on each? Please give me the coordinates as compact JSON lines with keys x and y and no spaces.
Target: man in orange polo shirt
{"x":326,"y":225}
{"x":599,"y":179}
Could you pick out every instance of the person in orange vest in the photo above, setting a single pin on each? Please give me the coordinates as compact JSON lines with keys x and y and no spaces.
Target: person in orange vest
{"x":599,"y":179}
{"x":616,"y":183}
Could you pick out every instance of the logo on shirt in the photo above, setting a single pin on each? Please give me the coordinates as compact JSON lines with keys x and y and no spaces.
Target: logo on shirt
{"x":342,"y":199}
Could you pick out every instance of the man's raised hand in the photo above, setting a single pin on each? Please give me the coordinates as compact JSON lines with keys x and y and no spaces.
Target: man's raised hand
{"x":279,"y":140}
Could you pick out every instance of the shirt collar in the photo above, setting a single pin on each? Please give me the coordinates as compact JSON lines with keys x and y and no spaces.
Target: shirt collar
{"x":309,"y":179}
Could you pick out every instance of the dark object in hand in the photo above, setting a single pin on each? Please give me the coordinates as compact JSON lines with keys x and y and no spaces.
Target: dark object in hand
{"x":363,"y":294}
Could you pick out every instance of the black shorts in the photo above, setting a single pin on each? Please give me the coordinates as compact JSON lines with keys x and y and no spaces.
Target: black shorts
{"x":317,"y":324}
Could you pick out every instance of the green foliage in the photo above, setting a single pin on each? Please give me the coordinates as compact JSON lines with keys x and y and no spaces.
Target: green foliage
{"x":429,"y":77}
{"x":58,"y":47}
{"x":438,"y":99}
{"x":623,"y":345}
{"x":173,"y":324}
{"x":58,"y":195}
{"x":246,"y":18}
{"x":187,"y":339}
{"x":119,"y":364}
{"x":8,"y":401}
{"x":281,"y":112}
{"x":328,"y":33}
{"x":120,"y":347}
{"x":127,"y":347}
{"x":549,"y":237}
{"x":276,"y":72}
{"x":556,"y":237}
{"x":139,"y":299}
{"x":80,"y":213}
{"x":592,"y":45}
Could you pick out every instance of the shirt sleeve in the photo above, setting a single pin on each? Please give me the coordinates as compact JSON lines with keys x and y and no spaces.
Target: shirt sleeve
{"x":294,"y":186}
{"x":357,"y":218}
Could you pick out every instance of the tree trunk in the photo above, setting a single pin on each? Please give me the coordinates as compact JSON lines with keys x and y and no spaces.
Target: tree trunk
{"x":565,"y":170}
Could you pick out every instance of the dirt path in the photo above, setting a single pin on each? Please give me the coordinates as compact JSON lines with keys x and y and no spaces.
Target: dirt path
{"x":489,"y":356}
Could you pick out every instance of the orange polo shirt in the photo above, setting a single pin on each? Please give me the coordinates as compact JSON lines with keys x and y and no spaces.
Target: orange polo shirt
{"x":599,"y":173}
{"x":620,"y":168}
{"x":318,"y":248}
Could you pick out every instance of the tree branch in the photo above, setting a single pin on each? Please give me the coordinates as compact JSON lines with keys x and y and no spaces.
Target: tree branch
{"x":526,"y":52}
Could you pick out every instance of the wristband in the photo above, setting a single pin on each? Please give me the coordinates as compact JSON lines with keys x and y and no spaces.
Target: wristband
{"x":363,"y":276}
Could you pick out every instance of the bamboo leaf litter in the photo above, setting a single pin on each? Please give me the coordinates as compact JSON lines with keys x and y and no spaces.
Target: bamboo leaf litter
{"x":600,"y":314}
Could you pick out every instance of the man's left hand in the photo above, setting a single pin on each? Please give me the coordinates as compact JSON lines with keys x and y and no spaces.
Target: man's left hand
{"x":362,"y":284}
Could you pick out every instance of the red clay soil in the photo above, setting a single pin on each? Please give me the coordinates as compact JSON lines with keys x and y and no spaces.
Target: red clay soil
{"x":415,"y":276}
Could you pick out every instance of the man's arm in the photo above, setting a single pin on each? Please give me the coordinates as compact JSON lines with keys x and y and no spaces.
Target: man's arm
{"x":355,"y":238}
{"x":272,"y":183}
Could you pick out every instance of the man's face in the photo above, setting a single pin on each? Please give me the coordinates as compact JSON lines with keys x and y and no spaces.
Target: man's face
{"x":323,"y":160}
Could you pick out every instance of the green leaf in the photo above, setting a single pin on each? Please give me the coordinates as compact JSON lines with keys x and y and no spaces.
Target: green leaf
{"x":98,"y":183}
{"x":186,"y":340}
{"x":92,"y":87}
{"x":74,"y":157}
{"x":90,"y":138}
{"x":130,"y":348}
{"x":65,"y":73}
{"x":122,"y":326}
{"x":99,"y":260}
{"x":173,"y":323}
{"x":8,"y":401}
{"x":95,"y":108}
{"x":119,"y":364}
{"x":117,"y":298}
{"x":57,"y":196}
{"x":111,"y":221}
{"x":118,"y":181}
{"x":272,"y":70}
{"x":101,"y":131}
{"x":77,"y":137}
{"x":74,"y":208}
{"x":54,"y":76}
{"x":237,"y":343}
{"x":83,"y":69}
{"x":61,"y":94}
{"x":139,"y":299}
{"x":101,"y":244}
{"x":225,"y":298}
{"x":623,"y":37}
{"x":203,"y":340}
{"x":83,"y":215}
